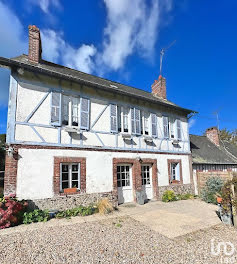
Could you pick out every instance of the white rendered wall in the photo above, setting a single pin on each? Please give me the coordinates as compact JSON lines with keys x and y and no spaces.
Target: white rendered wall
{"x":36,"y":169}
{"x":29,"y":95}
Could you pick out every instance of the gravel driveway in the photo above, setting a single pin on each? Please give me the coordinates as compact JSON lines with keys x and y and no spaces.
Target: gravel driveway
{"x":114,"y":240}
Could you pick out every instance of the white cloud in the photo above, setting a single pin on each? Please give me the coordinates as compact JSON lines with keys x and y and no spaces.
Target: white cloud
{"x":13,"y":42}
{"x":57,"y":50}
{"x":131,"y":26}
{"x":46,"y":4}
{"x":80,"y":58}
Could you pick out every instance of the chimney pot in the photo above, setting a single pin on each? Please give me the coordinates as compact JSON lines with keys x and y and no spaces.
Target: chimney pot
{"x":159,"y":87}
{"x":213,"y":135}
{"x":35,"y":50}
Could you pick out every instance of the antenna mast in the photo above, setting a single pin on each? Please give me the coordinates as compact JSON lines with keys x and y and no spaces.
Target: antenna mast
{"x":162,"y":53}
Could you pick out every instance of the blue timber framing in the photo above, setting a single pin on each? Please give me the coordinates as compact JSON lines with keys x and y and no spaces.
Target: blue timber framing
{"x":37,"y":107}
{"x":98,"y":117}
{"x":38,"y":134}
{"x":11,"y":118}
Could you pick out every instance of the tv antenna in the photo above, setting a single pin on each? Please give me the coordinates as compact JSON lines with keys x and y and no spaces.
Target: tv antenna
{"x":162,"y":53}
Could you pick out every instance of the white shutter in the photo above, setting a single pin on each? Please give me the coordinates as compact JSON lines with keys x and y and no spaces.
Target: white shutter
{"x":113,"y":118}
{"x":179,"y":134}
{"x":133,"y":121}
{"x":137,"y":121}
{"x":166,"y":126}
{"x":55,"y":108}
{"x":65,"y":110}
{"x":154,"y":125}
{"x":85,"y":109}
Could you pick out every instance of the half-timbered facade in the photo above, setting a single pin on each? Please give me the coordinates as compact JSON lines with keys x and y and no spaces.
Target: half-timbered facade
{"x":67,"y":129}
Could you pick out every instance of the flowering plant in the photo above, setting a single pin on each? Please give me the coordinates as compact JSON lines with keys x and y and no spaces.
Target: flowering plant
{"x":11,"y":211}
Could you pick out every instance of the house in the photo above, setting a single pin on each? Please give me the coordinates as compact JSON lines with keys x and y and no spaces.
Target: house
{"x":72,"y":132}
{"x":212,"y":157}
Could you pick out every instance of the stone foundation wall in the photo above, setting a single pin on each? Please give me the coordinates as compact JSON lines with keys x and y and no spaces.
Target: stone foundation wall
{"x":178,"y":189}
{"x":71,"y":201}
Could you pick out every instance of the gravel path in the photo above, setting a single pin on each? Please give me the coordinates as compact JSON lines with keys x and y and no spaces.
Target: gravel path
{"x":115,"y":240}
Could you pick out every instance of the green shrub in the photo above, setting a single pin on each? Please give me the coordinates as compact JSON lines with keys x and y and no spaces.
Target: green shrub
{"x":169,"y":196}
{"x":185,"y":196}
{"x":36,"y":216}
{"x":212,"y":187}
{"x":81,"y":210}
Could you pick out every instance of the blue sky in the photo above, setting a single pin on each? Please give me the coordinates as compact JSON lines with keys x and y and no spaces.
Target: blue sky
{"x":121,"y":40}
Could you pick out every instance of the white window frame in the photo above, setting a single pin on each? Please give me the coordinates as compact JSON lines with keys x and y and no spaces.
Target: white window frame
{"x":130,"y":174}
{"x":146,"y":172}
{"x":146,"y":120}
{"x":70,"y":175}
{"x":167,"y":126}
{"x":172,"y":125}
{"x":70,"y":110}
{"x":175,"y":172}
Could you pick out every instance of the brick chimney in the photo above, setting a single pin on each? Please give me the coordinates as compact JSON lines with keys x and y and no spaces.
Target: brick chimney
{"x":159,"y":87}
{"x":35,"y":49}
{"x":213,"y":135}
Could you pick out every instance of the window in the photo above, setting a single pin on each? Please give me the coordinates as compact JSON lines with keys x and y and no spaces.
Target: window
{"x":123,"y":175}
{"x":55,"y":108}
{"x":125,"y":113}
{"x":136,"y":121}
{"x":123,"y":117}
{"x":71,"y":111}
{"x":179,"y":135}
{"x":146,"y":178}
{"x":146,"y":127}
{"x":174,"y":172}
{"x":166,"y":126}
{"x":172,"y":132}
{"x":70,"y":176}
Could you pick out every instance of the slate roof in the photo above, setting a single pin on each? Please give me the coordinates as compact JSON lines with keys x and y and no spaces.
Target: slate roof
{"x":71,"y":74}
{"x":206,"y":152}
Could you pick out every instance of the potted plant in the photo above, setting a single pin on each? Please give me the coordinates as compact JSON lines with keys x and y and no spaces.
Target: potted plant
{"x":70,"y":190}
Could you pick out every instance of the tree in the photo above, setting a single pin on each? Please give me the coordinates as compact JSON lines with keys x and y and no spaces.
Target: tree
{"x":230,"y":136}
{"x":2,"y":151}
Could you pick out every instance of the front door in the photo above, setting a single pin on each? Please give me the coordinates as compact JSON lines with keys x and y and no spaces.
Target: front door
{"x":147,"y":182}
{"x":124,"y":183}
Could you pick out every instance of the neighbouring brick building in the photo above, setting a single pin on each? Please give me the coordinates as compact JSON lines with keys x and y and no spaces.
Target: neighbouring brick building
{"x":72,"y":132}
{"x":212,"y":157}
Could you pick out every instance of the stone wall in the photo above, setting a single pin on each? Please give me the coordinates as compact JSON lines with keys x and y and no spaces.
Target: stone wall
{"x":177,"y":188}
{"x":71,"y":201}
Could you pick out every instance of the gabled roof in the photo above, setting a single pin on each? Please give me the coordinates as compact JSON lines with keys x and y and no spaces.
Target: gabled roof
{"x":206,"y":152}
{"x":62,"y":72}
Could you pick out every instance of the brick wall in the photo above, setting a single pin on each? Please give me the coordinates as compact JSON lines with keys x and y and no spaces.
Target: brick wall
{"x":10,"y":176}
{"x":159,"y":87}
{"x":56,"y":178}
{"x":136,"y":174}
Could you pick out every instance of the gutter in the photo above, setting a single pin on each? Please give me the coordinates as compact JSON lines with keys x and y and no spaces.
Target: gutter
{"x":9,"y":63}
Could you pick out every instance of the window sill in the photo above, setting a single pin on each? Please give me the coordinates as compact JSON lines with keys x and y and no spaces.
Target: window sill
{"x":176,"y":182}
